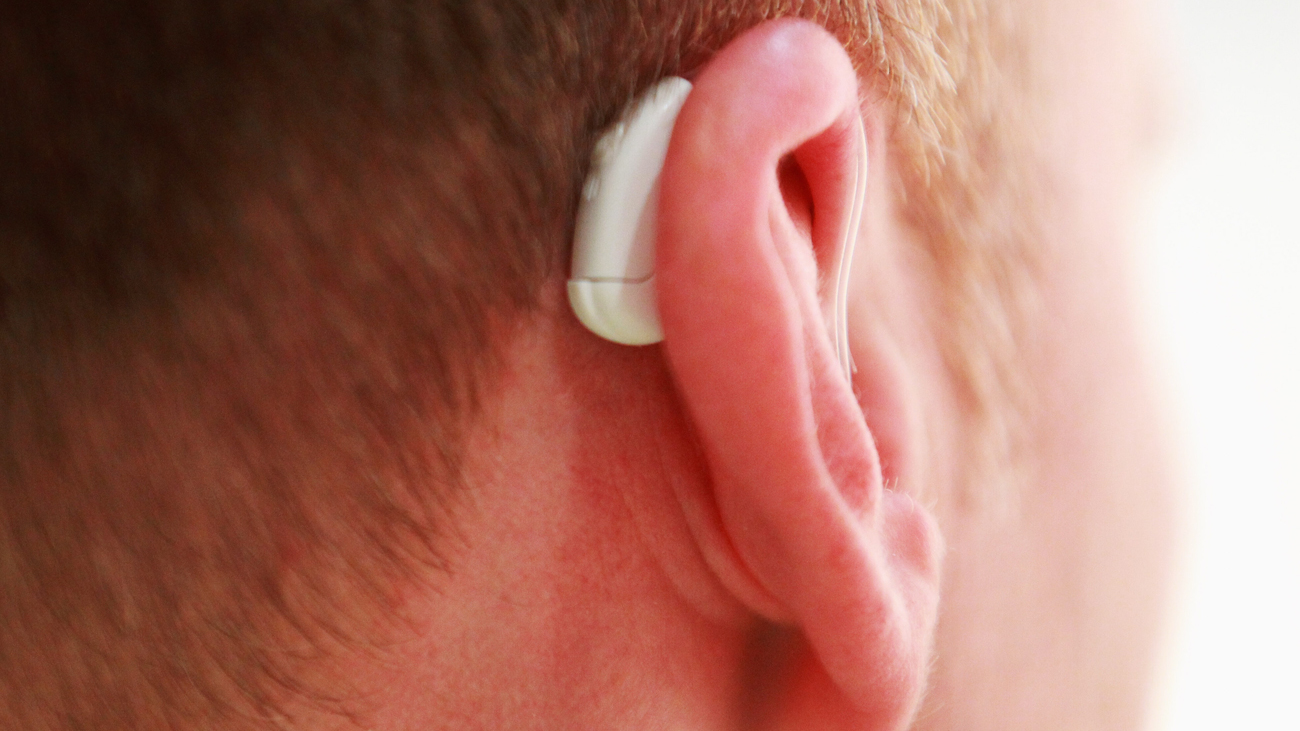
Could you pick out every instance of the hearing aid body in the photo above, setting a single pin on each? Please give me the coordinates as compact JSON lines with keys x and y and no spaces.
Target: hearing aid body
{"x":611,"y":285}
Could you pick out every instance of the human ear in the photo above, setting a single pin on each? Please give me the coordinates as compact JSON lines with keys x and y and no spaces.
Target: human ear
{"x":800,"y":529}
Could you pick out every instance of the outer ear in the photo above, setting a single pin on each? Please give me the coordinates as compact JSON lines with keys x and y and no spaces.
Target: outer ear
{"x":803,"y":530}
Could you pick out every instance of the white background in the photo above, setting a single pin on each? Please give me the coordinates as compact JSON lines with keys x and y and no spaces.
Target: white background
{"x":1222,"y":269}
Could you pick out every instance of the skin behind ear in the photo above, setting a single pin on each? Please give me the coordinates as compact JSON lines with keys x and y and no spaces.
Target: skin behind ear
{"x":800,"y":529}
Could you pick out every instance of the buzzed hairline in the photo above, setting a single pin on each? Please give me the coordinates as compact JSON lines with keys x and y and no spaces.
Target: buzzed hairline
{"x":267,"y":374}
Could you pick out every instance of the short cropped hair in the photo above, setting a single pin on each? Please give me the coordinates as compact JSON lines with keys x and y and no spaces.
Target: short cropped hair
{"x":252,"y":251}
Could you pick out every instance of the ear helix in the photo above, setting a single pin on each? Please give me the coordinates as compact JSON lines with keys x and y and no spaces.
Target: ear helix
{"x":611,"y":284}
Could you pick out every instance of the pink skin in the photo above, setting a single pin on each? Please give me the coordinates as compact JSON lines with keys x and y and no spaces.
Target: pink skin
{"x":804,"y":533}
{"x":701,"y":535}
{"x":1051,"y":610}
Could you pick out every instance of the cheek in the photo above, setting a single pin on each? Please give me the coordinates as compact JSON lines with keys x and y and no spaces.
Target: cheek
{"x":896,"y":340}
{"x":1053,"y":601}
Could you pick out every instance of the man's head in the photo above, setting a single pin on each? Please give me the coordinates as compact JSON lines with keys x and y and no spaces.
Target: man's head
{"x":298,"y":430}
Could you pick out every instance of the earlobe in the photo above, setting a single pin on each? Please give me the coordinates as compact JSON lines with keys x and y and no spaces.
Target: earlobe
{"x":802,"y":530}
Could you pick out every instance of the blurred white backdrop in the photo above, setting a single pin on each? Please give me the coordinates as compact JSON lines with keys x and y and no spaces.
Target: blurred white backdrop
{"x":1222,"y":270}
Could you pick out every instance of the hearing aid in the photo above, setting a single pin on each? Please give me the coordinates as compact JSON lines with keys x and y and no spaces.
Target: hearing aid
{"x":611,"y":284}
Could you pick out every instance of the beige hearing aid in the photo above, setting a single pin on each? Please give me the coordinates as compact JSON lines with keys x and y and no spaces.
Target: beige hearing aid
{"x":611,"y":284}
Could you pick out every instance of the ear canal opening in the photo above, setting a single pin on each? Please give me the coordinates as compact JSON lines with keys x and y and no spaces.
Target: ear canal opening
{"x":797,"y":194}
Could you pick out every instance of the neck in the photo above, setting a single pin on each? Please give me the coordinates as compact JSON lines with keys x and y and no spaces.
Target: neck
{"x":598,"y":615}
